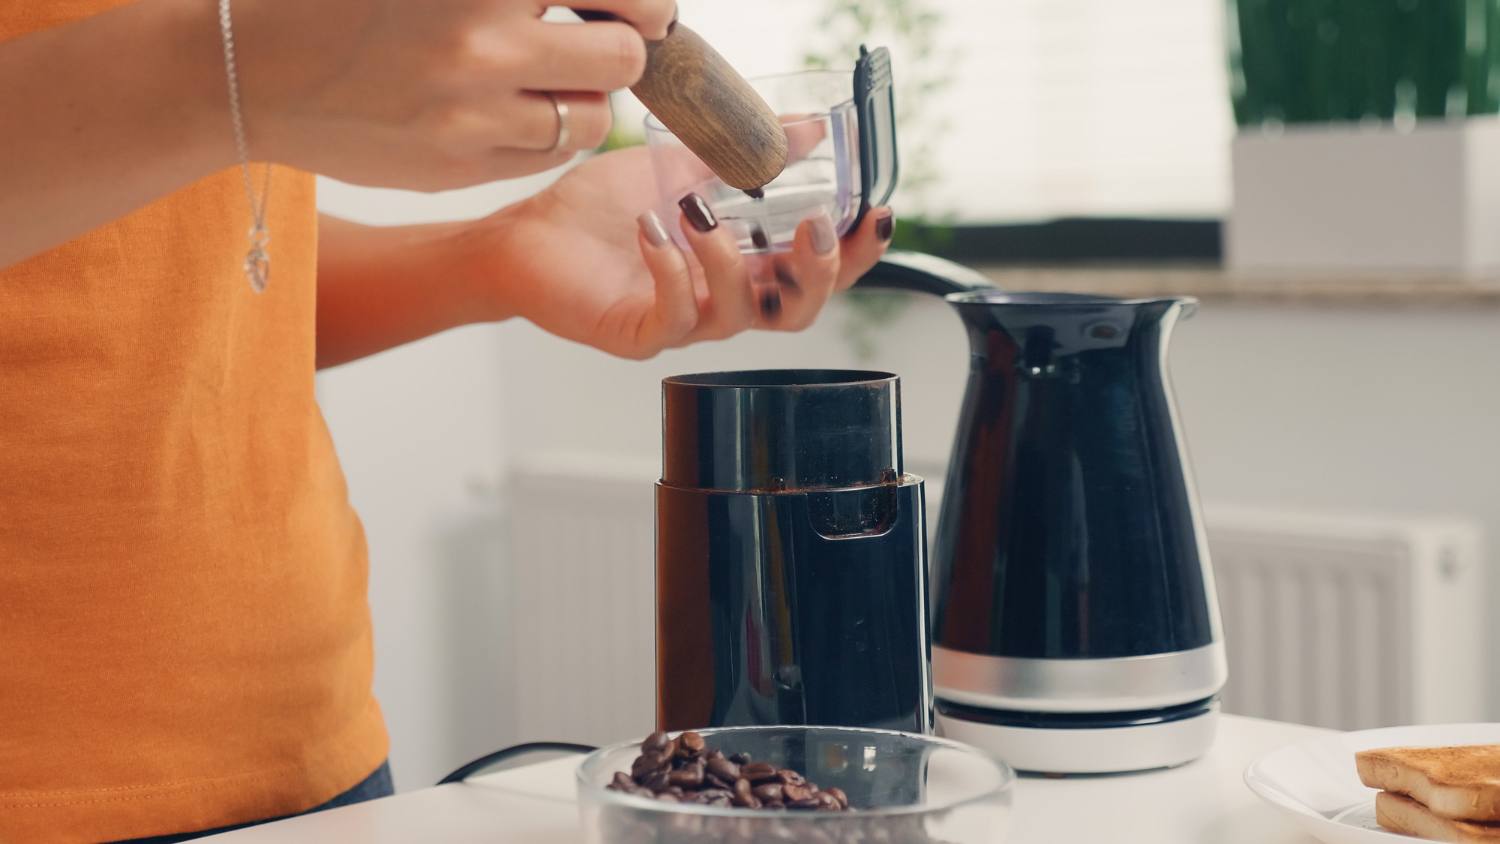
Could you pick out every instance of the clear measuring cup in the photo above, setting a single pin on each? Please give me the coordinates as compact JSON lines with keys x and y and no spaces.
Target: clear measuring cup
{"x":842,"y":157}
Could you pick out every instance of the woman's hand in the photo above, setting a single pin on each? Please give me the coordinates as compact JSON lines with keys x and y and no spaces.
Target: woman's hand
{"x":432,"y":94}
{"x":587,"y":260}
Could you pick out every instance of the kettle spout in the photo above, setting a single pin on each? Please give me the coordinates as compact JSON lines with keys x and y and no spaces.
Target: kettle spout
{"x":922,"y":273}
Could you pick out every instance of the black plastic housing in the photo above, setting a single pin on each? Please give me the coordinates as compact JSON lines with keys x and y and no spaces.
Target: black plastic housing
{"x":791,"y":554}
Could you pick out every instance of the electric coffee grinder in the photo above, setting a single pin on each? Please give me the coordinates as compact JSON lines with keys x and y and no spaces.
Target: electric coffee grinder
{"x":791,"y":570}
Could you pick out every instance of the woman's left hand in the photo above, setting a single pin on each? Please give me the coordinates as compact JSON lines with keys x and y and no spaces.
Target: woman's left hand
{"x":588,"y":261}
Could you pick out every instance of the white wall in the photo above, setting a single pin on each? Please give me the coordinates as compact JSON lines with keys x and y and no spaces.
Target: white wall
{"x":420,"y":432}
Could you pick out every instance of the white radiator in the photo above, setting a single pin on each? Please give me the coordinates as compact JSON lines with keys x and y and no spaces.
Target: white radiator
{"x":1333,"y":621}
{"x":1350,"y":622}
{"x":583,"y":564}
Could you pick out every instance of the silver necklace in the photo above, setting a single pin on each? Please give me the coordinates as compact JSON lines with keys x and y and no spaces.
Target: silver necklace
{"x":257,"y":263}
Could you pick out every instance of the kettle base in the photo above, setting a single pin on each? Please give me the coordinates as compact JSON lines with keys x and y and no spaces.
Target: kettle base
{"x":1073,"y":745}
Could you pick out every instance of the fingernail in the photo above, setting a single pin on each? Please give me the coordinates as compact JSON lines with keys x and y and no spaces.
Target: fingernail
{"x":824,"y":238}
{"x":651,"y":227}
{"x":785,"y":277}
{"x":885,"y":226}
{"x":758,"y":237}
{"x":699,"y":215}
{"x":770,"y":302}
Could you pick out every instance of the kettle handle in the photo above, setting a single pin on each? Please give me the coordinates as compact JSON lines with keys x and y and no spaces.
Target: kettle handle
{"x":922,"y":273}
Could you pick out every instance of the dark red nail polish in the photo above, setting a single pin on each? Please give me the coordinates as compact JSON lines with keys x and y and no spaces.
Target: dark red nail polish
{"x":699,"y":215}
{"x":785,"y":276}
{"x":758,"y":237}
{"x":770,"y":303}
{"x":885,"y":227}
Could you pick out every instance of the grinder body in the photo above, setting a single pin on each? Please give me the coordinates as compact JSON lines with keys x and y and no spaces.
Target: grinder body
{"x":791,"y":555}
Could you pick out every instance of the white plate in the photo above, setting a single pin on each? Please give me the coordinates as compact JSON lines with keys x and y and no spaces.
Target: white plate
{"x":1316,"y":783}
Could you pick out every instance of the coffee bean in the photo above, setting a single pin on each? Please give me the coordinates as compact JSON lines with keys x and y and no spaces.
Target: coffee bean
{"x":646,"y":764}
{"x":688,"y":777}
{"x":724,"y":769}
{"x":684,"y":770}
{"x":655,"y":743}
{"x":795,"y":793}
{"x":656,"y":781}
{"x":768,"y":791}
{"x":758,"y":771}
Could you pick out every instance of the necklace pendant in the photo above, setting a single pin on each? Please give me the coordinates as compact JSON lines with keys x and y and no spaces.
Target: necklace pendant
{"x":257,"y":264}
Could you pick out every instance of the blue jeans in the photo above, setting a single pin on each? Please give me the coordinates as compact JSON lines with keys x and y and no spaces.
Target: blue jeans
{"x":375,"y":785}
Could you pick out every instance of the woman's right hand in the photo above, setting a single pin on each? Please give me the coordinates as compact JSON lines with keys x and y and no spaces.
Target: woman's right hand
{"x":432,"y":94}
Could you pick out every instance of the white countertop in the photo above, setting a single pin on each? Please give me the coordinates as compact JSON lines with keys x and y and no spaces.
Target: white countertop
{"x":1203,"y":801}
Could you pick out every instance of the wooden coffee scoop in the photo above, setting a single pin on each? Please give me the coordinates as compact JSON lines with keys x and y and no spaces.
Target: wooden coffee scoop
{"x":694,"y":92}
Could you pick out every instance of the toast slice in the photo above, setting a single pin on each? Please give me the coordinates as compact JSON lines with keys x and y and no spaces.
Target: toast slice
{"x":1461,"y":783}
{"x":1400,"y":813}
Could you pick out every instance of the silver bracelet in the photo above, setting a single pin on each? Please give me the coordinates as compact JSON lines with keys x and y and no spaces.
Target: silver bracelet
{"x":257,"y":264}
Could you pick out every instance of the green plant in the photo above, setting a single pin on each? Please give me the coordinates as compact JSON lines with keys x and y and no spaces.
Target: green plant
{"x":1316,"y":61}
{"x":622,"y":133}
{"x":913,"y":28}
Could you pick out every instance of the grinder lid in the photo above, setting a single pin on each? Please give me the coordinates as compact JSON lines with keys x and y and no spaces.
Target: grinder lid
{"x":781,"y":430}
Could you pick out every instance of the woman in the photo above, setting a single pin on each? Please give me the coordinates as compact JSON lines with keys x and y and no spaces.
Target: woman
{"x":184,"y":637}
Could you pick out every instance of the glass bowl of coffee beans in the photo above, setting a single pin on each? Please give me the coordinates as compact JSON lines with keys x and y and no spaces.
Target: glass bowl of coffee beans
{"x":826,"y":785}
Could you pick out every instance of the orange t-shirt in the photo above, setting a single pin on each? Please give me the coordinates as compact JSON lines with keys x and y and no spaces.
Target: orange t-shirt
{"x":184,"y":633}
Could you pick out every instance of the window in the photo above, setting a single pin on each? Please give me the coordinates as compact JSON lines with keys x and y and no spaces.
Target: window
{"x":1056,"y":108}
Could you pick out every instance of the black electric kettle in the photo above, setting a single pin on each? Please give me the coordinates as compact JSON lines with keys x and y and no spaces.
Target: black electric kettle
{"x":1074,"y":627}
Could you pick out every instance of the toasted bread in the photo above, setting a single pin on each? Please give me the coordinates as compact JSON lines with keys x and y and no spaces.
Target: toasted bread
{"x":1400,"y":813}
{"x":1461,"y":783}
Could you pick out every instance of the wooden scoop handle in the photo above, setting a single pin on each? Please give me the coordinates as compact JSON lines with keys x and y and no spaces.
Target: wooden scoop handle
{"x":695,"y":93}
